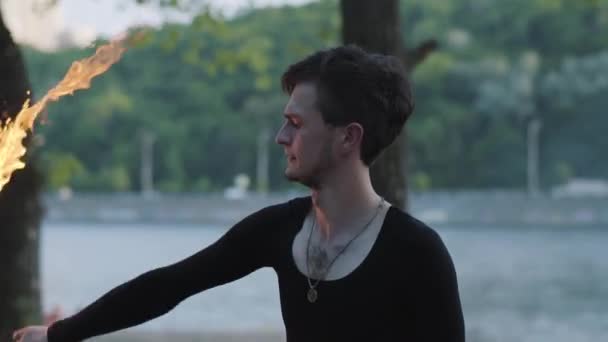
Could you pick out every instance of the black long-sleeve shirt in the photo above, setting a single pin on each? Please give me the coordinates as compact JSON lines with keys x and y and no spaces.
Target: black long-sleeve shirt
{"x":404,"y":290}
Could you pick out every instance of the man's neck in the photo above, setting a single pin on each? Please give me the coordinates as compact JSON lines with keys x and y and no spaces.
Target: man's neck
{"x":344,"y":203}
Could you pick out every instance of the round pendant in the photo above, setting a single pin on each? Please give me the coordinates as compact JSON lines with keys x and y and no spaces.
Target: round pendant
{"x":312,"y":295}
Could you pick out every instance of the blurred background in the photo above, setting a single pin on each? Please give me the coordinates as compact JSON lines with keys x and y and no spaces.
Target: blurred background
{"x":505,"y":155}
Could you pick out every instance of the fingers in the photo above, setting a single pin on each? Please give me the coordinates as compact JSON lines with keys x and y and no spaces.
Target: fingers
{"x":18,"y":334}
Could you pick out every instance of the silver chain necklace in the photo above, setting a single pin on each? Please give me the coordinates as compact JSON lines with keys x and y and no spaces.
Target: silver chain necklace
{"x":313,"y":294}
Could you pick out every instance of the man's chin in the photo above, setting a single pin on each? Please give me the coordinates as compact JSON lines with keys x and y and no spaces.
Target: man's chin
{"x":307,"y":182}
{"x":292,"y":177}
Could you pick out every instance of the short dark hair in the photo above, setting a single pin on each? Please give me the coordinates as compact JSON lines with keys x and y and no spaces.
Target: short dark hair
{"x":356,"y":86}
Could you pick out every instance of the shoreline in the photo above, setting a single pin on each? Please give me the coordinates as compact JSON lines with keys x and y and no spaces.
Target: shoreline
{"x":481,"y":208}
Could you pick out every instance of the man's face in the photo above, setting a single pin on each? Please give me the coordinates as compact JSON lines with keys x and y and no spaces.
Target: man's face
{"x":306,"y":139}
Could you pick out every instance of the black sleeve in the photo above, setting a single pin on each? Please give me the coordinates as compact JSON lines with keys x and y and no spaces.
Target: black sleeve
{"x":439,"y":315}
{"x":242,"y":250}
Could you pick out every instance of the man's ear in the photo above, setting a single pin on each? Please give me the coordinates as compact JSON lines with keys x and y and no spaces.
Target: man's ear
{"x":352,"y":135}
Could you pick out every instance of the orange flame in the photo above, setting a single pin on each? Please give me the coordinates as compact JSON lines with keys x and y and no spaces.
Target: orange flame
{"x":78,"y":77}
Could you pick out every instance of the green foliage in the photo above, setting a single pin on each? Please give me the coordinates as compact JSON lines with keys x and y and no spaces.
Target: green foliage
{"x":63,"y":169}
{"x":206,"y":91}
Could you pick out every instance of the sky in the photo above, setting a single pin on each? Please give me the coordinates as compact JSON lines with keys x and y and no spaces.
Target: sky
{"x":84,"y":20}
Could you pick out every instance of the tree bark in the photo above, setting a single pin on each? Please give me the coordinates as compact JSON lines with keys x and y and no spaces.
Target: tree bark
{"x":20,"y":208}
{"x":374,"y":26}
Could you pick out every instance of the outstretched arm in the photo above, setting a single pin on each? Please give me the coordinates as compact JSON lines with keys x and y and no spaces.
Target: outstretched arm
{"x":239,"y":252}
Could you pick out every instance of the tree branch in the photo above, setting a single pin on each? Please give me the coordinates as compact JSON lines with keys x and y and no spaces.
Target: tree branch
{"x":413,"y":57}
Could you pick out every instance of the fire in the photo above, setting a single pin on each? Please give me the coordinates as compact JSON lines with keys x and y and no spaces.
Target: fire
{"x":79,"y":76}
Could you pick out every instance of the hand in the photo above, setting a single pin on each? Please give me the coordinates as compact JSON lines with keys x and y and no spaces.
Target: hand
{"x":32,"y":333}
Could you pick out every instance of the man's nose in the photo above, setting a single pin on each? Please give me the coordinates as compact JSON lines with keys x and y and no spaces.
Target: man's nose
{"x":282,"y":136}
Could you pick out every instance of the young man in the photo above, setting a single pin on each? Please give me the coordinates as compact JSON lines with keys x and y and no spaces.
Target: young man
{"x":350,"y":266}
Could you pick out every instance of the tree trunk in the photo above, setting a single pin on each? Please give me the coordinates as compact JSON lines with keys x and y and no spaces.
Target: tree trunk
{"x":374,"y":26}
{"x":20,"y":209}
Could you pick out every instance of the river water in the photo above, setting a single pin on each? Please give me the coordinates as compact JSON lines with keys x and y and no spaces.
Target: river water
{"x":516,"y":283}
